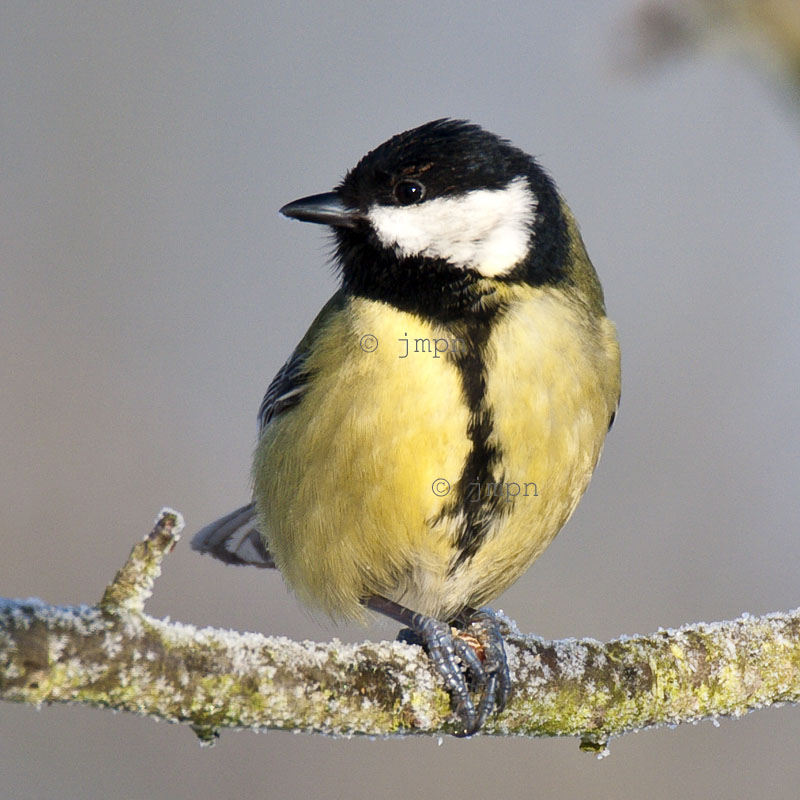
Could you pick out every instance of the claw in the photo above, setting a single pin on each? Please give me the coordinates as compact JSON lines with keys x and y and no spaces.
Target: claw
{"x":479,"y":648}
{"x":475,"y":652}
{"x":445,"y":651}
{"x":496,"y":684}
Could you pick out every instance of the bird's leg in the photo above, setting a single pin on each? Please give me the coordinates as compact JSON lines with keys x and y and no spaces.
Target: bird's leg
{"x":446,"y":648}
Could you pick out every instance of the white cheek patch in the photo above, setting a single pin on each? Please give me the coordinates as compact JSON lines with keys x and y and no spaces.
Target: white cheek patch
{"x":487,"y":230}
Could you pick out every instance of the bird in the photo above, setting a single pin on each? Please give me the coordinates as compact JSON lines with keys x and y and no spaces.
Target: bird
{"x":440,"y":420}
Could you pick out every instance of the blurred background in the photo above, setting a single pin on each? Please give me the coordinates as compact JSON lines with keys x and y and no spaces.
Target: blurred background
{"x":149,"y":290}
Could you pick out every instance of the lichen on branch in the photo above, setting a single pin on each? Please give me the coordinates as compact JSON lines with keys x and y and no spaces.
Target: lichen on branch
{"x":113,"y":655}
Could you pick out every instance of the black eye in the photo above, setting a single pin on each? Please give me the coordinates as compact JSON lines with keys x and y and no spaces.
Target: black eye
{"x":409,"y":192}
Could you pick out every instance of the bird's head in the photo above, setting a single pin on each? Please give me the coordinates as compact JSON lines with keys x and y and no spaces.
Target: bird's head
{"x":430,"y":218}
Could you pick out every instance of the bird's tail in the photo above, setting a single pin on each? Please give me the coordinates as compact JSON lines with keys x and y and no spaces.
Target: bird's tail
{"x":234,"y":539}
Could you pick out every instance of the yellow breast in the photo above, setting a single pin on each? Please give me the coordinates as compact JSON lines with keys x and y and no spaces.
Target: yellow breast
{"x":351,"y":485}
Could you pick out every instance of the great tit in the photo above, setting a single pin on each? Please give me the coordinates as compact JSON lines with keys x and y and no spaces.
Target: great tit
{"x":441,"y":418}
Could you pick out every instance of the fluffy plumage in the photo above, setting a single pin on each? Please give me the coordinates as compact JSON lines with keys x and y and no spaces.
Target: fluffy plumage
{"x":446,"y":233}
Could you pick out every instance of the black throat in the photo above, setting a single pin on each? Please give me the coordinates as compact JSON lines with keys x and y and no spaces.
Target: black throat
{"x":430,"y":288}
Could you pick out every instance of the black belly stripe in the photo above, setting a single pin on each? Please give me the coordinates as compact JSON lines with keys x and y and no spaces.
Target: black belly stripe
{"x":463,"y":303}
{"x":470,"y":504}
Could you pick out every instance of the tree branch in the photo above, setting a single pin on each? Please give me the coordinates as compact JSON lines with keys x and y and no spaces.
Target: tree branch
{"x":114,"y":656}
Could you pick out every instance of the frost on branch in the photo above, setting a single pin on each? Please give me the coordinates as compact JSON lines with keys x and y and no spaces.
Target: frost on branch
{"x":113,"y":655}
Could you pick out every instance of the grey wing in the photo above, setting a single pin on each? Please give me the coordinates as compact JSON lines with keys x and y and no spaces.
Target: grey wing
{"x":286,"y":390}
{"x":235,"y":538}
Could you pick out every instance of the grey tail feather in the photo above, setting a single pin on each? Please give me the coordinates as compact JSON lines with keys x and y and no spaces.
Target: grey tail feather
{"x":234,"y":539}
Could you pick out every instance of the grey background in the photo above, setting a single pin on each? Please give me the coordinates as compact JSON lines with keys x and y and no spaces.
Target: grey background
{"x":149,"y":290}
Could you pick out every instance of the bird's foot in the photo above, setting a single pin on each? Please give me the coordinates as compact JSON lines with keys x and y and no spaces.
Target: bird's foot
{"x":470,"y":658}
{"x":482,"y":629}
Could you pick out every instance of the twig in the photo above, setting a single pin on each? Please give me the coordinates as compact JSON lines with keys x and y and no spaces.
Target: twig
{"x":113,"y":655}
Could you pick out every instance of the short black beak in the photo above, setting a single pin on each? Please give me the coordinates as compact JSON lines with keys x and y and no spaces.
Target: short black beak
{"x":325,"y":209}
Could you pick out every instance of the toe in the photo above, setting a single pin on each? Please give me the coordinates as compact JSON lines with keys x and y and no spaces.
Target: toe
{"x":447,"y":655}
{"x":496,"y":689}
